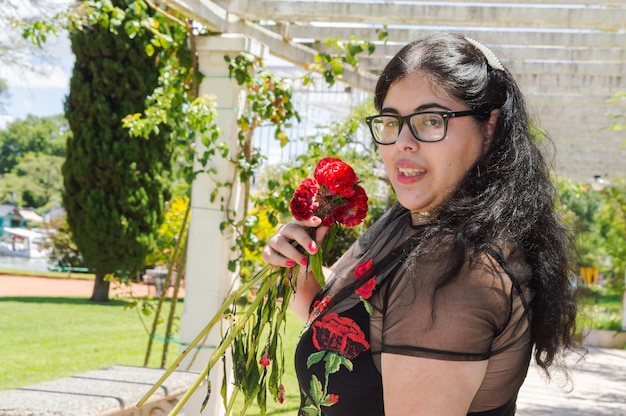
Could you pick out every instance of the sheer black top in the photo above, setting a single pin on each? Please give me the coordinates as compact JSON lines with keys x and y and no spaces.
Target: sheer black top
{"x":380,"y":300}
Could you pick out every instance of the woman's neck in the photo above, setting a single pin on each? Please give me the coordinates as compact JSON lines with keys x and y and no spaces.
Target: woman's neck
{"x":422,"y":217}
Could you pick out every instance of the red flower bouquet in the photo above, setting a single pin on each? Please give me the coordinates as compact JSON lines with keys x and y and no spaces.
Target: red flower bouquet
{"x":333,"y":195}
{"x":254,"y":330}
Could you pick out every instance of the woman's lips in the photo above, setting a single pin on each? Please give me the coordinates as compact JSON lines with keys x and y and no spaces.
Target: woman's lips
{"x":409,"y":175}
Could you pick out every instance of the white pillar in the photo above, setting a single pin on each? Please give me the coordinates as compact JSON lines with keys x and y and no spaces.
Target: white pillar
{"x":624,"y":305}
{"x":208,"y":280}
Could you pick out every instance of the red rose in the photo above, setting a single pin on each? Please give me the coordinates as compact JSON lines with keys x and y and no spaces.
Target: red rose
{"x":336,"y":176}
{"x":357,"y":208}
{"x":303,"y":203}
{"x":363,"y":268}
{"x":339,"y":334}
{"x":328,"y":220}
{"x":365,"y":290}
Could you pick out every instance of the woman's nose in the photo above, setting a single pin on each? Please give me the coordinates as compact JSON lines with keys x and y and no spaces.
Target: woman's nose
{"x":406,"y":141}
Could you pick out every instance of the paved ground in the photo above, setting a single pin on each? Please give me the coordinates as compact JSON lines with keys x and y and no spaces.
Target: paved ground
{"x":41,"y":286}
{"x":599,"y":388}
{"x":599,"y":382}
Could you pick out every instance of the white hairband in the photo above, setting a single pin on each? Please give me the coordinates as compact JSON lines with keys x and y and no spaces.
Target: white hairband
{"x":492,"y":60}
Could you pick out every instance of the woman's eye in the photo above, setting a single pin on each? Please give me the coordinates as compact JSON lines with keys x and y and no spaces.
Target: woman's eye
{"x":390,"y":123}
{"x":433,"y":121}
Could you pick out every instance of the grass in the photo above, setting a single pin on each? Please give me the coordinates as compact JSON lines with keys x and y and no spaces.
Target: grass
{"x":600,"y":308}
{"x":45,"y":338}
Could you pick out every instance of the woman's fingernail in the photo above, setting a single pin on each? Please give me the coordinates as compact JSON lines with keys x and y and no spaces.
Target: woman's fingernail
{"x":316,"y":219}
{"x":290,"y":263}
{"x":303,"y":261}
{"x":312,"y":246}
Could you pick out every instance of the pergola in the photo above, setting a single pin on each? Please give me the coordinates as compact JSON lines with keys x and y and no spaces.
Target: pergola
{"x":569,"y":56}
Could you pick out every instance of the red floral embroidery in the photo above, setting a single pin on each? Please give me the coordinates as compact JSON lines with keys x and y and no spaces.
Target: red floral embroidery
{"x":363,"y":268}
{"x":365,"y":291}
{"x":339,"y":334}
{"x":333,"y":398}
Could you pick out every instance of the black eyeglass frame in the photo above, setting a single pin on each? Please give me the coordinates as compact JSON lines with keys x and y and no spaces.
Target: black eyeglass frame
{"x":446,"y":115}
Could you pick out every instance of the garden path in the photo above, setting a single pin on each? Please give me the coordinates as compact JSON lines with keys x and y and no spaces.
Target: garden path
{"x":11,"y":285}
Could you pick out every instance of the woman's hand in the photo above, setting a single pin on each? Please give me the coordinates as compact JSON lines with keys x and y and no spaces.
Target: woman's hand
{"x":280,"y":250}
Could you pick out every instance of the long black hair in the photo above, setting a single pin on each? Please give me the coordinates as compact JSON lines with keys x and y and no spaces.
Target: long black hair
{"x":508,"y":194}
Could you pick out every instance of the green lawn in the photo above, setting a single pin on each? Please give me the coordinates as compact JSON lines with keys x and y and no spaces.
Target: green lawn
{"x":44,"y":338}
{"x":600,"y":308}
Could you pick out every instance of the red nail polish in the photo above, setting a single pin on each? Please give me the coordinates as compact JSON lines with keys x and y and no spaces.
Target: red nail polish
{"x":312,"y":246}
{"x":303,"y":261}
{"x":290,"y":263}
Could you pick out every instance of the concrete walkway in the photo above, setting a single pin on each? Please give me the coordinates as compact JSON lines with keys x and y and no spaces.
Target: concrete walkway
{"x":599,"y":388}
{"x":11,"y":285}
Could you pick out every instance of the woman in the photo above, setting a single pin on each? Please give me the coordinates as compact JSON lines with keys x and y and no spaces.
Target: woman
{"x":463,"y":276}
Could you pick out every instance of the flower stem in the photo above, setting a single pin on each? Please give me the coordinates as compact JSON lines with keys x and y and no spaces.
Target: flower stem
{"x":221,"y":349}
{"x":231,"y":401}
{"x":216,"y":318}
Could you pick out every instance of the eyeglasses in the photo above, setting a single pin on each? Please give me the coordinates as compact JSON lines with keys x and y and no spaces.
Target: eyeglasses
{"x":425,"y":126}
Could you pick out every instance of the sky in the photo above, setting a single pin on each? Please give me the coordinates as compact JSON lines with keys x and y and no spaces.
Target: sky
{"x":38,"y":92}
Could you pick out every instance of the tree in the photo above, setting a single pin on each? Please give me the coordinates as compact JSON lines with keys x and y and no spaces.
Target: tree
{"x":46,"y":135}
{"x":35,"y":182}
{"x":114,"y":183}
{"x":31,"y":154}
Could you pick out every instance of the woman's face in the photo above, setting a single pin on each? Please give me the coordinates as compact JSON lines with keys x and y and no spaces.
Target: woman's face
{"x":424,"y":175}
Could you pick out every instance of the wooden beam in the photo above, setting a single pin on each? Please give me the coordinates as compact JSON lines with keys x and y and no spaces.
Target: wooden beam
{"x":491,"y":15}
{"x":494,"y":36}
{"x":216,"y":19}
{"x":516,"y":52}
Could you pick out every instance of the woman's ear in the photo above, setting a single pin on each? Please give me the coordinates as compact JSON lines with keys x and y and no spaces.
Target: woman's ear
{"x":490,"y":126}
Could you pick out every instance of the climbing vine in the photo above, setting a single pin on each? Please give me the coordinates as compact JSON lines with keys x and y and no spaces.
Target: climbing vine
{"x":175,"y":102}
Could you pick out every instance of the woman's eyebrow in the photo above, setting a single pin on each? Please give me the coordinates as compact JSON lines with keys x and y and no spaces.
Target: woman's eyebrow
{"x":423,"y":107}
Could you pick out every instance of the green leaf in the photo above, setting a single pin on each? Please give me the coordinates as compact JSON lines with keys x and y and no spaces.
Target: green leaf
{"x":208,"y":394}
{"x":337,"y":67}
{"x":368,"y":306}
{"x":316,"y":390}
{"x":315,"y":358}
{"x":311,"y":410}
{"x":316,"y":267}
{"x":333,"y":362}
{"x":346,"y":363}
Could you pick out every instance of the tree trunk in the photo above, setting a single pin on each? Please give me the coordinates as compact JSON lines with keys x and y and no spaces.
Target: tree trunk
{"x":100,"y":289}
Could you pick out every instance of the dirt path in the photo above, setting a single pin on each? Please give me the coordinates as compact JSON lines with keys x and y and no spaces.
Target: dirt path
{"x":11,"y":285}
